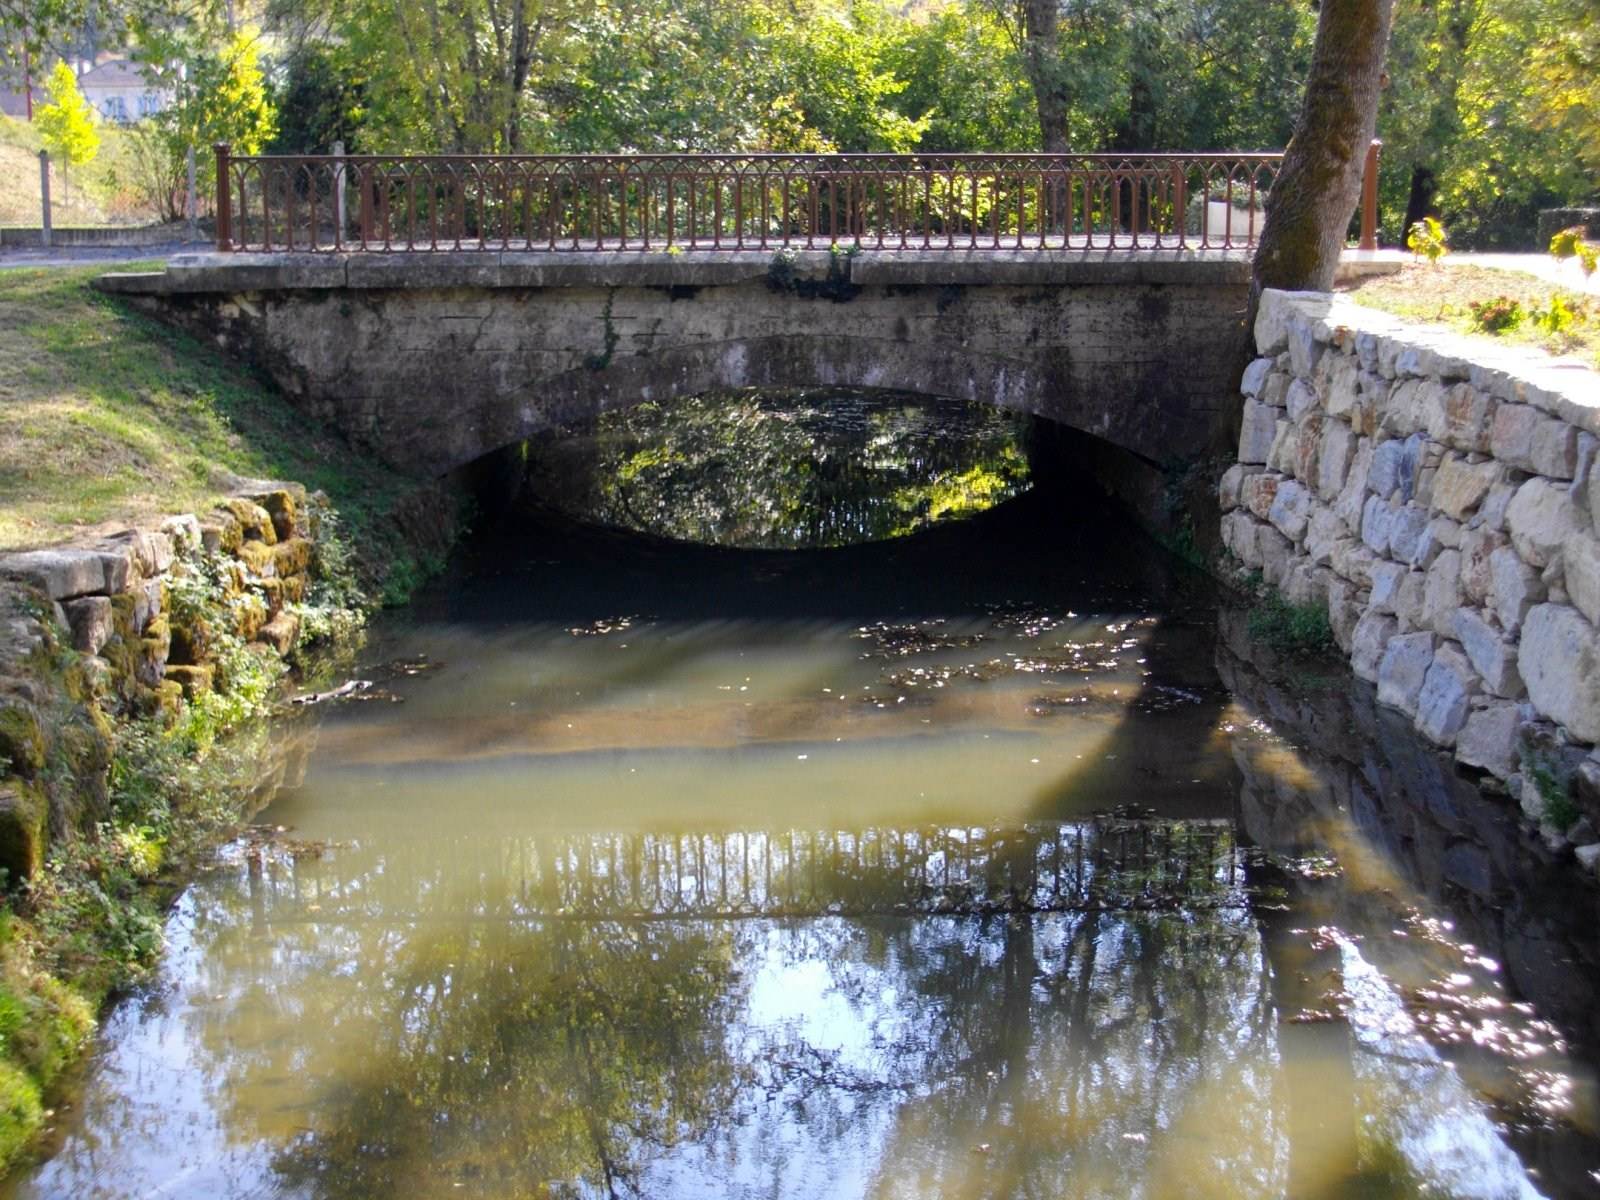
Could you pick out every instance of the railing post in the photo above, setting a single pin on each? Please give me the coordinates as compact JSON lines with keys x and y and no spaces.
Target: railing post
{"x":1369,"y":198}
{"x":338,"y":195}
{"x":224,"y":200}
{"x":44,"y":196}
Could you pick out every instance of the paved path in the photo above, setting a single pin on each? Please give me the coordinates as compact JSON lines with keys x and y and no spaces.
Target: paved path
{"x":79,"y":256}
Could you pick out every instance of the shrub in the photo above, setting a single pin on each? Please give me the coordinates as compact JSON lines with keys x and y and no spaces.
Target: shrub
{"x":1498,"y":315}
{"x":1428,"y":239}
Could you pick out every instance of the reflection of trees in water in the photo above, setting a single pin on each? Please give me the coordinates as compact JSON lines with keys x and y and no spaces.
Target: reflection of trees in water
{"x":786,"y":469}
{"x":526,"y":1059}
{"x":475,"y":1045}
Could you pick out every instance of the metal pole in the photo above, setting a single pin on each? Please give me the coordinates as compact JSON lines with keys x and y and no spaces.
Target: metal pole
{"x":191,"y":207}
{"x":224,"y":200}
{"x":44,"y":193}
{"x":338,"y":195}
{"x":1369,"y":198}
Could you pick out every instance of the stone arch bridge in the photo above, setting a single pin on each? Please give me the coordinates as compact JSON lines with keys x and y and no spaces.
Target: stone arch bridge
{"x":432,"y":360}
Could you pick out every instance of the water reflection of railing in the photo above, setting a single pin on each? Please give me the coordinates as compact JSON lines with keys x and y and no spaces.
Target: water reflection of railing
{"x":1108,"y":864}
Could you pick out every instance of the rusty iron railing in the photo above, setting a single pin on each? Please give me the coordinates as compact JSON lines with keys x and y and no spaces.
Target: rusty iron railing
{"x":329,"y":203}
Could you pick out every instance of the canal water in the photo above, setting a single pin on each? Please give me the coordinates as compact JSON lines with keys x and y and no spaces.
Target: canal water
{"x":995,"y":860}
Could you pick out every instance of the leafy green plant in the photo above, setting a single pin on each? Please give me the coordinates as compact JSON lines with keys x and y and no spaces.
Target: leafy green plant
{"x":1557,"y":318}
{"x":1295,"y":629}
{"x":1571,"y":243}
{"x":1428,"y":239}
{"x":1498,"y":315}
{"x":67,"y":123}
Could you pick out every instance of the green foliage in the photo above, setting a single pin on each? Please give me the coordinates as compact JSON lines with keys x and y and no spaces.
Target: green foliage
{"x":219,"y":95}
{"x":66,"y":123}
{"x":1428,"y":239}
{"x":1554,"y":787}
{"x":1498,"y":315}
{"x":1571,"y":243}
{"x":1294,"y":629}
{"x":1557,"y":318}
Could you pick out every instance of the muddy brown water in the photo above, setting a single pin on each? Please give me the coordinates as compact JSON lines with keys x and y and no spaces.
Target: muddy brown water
{"x":991,"y":862}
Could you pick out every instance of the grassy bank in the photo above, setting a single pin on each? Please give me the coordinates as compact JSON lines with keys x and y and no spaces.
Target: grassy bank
{"x":109,"y":419}
{"x":1521,"y":309}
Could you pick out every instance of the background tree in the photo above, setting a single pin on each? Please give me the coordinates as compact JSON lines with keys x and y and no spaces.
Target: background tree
{"x":66,"y":123}
{"x":219,"y":94}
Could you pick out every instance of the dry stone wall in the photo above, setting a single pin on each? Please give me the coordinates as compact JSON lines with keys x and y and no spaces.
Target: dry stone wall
{"x":1440,"y":497}
{"x":137,"y":651}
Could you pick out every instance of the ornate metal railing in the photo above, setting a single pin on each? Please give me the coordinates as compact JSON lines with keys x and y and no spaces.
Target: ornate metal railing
{"x":731,"y":202}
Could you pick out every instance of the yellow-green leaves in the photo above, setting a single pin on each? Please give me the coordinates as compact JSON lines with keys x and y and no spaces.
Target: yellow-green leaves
{"x":67,"y":123}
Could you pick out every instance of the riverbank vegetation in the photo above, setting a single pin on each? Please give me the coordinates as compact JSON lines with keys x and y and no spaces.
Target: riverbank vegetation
{"x":1507,"y":305}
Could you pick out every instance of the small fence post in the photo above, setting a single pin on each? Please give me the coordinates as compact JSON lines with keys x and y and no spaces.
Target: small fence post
{"x":1369,"y":198}
{"x":191,"y":202}
{"x":338,"y":195}
{"x":44,"y":195}
{"x":224,"y":200}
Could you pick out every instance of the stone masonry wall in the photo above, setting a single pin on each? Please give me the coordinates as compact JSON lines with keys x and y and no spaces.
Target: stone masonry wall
{"x":137,"y":653}
{"x":1440,"y":497}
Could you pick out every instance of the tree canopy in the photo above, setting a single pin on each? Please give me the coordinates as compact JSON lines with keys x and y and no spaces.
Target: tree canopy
{"x":1490,"y":111}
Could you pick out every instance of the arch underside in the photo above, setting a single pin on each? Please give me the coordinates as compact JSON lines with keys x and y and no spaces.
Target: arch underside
{"x":1135,"y":405}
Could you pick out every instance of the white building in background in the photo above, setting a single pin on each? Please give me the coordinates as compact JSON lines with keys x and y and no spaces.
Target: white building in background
{"x":118,"y":91}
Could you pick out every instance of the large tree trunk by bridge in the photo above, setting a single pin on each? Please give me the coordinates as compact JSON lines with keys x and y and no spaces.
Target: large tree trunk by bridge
{"x":1309,"y":210}
{"x":1041,"y":56}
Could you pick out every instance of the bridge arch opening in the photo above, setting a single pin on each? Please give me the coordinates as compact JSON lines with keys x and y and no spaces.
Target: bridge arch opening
{"x":787,"y":469}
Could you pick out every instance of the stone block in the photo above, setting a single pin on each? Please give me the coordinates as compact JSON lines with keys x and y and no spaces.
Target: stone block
{"x":1323,"y":535}
{"x":1403,"y":669}
{"x":1408,"y":600}
{"x":1354,"y":561}
{"x":1369,"y":642}
{"x":1580,"y":561}
{"x":1239,"y":536}
{"x":1514,"y":588}
{"x":1285,"y":450}
{"x":1344,"y":613}
{"x":1308,"y":448}
{"x":1542,"y":517}
{"x":1406,"y":527}
{"x":1477,"y":548}
{"x":1383,"y":477}
{"x":1291,"y":510}
{"x":1440,"y":535}
{"x":1405,"y":411}
{"x":1341,"y":387}
{"x":1489,"y":739}
{"x":1491,"y":656}
{"x":1277,"y":554}
{"x":23,"y":814}
{"x":1522,"y":436}
{"x":184,"y":530}
{"x":255,"y":522}
{"x":1257,"y":430}
{"x":1259,"y":491}
{"x":1376,"y":518}
{"x":1446,"y":695}
{"x":195,"y":679}
{"x":1300,"y":400}
{"x":1386,"y":578}
{"x":1304,"y":349}
{"x":1334,"y":456}
{"x":281,"y":632}
{"x":1231,"y":484}
{"x":91,"y":621}
{"x":1441,"y":593}
{"x":1254,"y":376}
{"x":1559,"y":658}
{"x":1492,"y":512}
{"x":60,"y":574}
{"x":1461,"y":486}
{"x":1354,"y":493}
{"x":1459,"y":417}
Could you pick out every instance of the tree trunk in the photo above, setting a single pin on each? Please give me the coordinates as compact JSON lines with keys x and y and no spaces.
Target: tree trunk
{"x":1309,"y":208}
{"x":1419,"y":203}
{"x":1041,"y":55}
